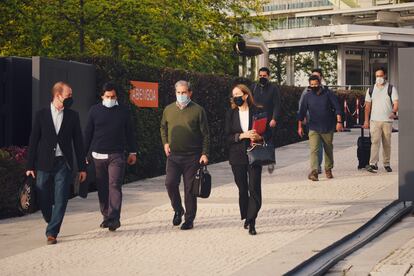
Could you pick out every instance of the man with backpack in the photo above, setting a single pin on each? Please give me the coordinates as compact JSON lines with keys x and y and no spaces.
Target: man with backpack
{"x":381,"y":107}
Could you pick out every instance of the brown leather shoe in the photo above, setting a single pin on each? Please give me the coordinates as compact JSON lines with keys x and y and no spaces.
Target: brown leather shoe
{"x":329,"y":173}
{"x":313,"y":175}
{"x":51,"y":240}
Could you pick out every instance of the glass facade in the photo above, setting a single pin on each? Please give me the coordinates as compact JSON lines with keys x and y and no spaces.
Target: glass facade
{"x":282,"y":5}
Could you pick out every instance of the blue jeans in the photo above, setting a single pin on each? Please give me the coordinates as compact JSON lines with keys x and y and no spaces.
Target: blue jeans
{"x":53,"y":195}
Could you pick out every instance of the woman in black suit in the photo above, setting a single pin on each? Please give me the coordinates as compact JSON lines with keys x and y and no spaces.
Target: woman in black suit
{"x":239,"y":135}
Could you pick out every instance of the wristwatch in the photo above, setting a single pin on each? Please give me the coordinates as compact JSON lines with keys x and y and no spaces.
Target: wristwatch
{"x":338,"y":122}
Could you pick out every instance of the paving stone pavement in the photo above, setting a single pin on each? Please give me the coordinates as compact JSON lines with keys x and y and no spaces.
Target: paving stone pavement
{"x":399,"y":262}
{"x":148,"y":244}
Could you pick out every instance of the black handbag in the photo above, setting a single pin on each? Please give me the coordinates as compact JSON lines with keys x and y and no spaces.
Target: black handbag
{"x":27,"y":196}
{"x":202,"y":183}
{"x":261,"y":154}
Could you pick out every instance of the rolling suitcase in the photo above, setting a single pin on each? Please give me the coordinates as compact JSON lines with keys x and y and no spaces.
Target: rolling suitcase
{"x":363,"y":150}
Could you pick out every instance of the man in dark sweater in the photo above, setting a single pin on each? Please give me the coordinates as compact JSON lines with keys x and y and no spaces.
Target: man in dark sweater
{"x":322,"y":106}
{"x":108,"y":135}
{"x":185,"y":136}
{"x":267,"y":95}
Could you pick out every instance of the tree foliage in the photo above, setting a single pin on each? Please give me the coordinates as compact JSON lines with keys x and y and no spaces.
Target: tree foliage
{"x":187,"y":34}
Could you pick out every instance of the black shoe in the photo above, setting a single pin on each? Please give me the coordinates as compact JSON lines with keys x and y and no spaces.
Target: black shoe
{"x":371,"y":168}
{"x":246,"y":224}
{"x":388,"y":168}
{"x":113,"y":225}
{"x":104,"y":224}
{"x":187,"y":225}
{"x":319,"y":170}
{"x":270,"y":168}
{"x":178,"y":217}
{"x":252,"y":229}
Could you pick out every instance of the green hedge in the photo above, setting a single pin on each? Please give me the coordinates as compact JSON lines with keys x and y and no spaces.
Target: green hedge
{"x":210,"y":91}
{"x":11,"y":177}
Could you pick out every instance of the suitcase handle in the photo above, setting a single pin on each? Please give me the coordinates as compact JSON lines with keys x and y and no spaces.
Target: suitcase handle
{"x":362,"y":132}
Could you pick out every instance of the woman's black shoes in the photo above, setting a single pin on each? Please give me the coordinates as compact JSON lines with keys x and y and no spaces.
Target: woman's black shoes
{"x":252,"y":230}
{"x":246,"y":224}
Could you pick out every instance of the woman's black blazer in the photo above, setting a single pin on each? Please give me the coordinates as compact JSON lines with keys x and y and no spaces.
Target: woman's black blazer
{"x":232,"y":131}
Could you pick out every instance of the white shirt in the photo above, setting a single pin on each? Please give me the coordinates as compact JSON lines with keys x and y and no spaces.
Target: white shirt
{"x":57,"y":117}
{"x":381,"y":107}
{"x":244,"y":120}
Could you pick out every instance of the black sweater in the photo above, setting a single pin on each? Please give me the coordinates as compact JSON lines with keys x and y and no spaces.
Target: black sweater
{"x":268,"y":97}
{"x":109,"y":130}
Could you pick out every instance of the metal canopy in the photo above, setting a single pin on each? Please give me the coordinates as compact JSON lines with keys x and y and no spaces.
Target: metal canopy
{"x":338,"y":34}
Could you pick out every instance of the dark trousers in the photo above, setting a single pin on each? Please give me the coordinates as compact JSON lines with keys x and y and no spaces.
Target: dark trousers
{"x":53,"y":200}
{"x":273,"y":137}
{"x":249,"y":182}
{"x":109,"y":178}
{"x":186,"y":166}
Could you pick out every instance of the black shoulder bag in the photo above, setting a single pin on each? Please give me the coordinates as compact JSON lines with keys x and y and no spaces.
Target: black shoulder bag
{"x":261,"y":154}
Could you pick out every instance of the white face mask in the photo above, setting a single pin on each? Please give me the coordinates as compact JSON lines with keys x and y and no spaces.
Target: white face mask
{"x":183,"y":99}
{"x":380,"y":80}
{"x":109,"y":102}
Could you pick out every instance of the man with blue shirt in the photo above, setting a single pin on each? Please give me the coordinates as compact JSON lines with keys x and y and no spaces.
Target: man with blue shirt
{"x":322,"y":106}
{"x":317,"y":72}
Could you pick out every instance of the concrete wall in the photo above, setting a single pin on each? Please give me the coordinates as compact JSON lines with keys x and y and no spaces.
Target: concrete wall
{"x":406,"y":124}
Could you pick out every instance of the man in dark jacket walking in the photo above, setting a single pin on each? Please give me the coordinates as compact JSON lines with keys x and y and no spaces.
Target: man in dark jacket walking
{"x":55,"y":129}
{"x":324,"y":117}
{"x":267,"y":95}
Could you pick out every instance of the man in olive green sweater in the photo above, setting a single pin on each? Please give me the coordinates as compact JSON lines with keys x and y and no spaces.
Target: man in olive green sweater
{"x":185,"y":136}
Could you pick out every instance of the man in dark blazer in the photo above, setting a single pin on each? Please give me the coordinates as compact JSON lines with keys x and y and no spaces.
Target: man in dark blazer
{"x":55,"y":129}
{"x":267,"y":95}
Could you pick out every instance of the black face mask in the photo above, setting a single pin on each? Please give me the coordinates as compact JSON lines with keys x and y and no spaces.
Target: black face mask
{"x":314,"y":89}
{"x":67,"y":103}
{"x":238,"y":100}
{"x":263,"y":81}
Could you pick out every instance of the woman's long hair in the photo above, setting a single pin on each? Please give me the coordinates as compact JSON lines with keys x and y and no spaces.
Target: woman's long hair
{"x":246,"y":91}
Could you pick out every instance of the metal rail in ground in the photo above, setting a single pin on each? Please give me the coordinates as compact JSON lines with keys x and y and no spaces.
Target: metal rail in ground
{"x":320,"y":263}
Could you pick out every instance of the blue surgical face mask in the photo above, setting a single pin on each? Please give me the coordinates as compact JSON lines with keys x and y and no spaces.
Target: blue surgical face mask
{"x":109,"y":102}
{"x":182,"y":99}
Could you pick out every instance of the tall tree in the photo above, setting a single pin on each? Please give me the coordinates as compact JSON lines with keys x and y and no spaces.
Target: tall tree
{"x":188,"y":34}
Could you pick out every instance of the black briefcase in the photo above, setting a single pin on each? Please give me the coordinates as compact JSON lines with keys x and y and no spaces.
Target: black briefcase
{"x":202,"y":183}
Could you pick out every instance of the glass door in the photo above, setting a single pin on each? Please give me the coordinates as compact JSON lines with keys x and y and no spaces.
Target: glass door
{"x":354,"y":66}
{"x":361,"y":63}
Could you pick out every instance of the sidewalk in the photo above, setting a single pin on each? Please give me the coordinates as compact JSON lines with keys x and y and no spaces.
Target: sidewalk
{"x":297,"y":219}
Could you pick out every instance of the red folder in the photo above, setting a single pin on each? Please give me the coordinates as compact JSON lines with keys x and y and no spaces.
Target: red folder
{"x":260,"y":125}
